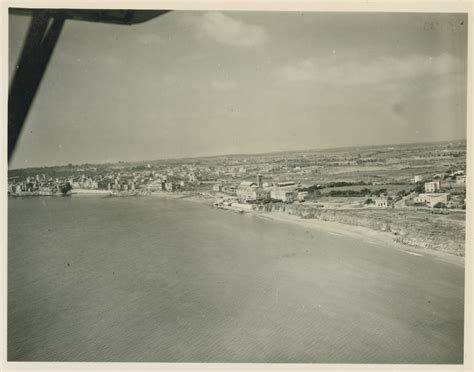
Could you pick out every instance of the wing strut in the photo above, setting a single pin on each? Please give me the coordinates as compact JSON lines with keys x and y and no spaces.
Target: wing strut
{"x":41,"y":39}
{"x":42,"y":36}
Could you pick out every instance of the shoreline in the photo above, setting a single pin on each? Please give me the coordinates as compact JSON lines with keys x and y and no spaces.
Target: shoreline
{"x":332,"y":227}
{"x":371,"y":236}
{"x":358,"y":232}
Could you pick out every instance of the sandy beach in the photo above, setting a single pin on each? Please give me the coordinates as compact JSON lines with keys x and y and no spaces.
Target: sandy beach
{"x":189,"y":196}
{"x":90,"y":192}
{"x":358,"y":232}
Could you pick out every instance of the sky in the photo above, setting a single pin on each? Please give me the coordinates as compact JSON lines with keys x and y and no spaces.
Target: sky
{"x":205,"y":83}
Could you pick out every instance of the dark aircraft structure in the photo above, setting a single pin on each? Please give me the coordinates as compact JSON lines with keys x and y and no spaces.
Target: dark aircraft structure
{"x":42,"y":36}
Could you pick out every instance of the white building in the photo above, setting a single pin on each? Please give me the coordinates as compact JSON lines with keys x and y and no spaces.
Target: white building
{"x":284,"y":195}
{"x":302,"y":195}
{"x":381,"y":202}
{"x":192,"y":178}
{"x":170,"y":186}
{"x":251,"y":191}
{"x":461,"y":180}
{"x":432,"y":186}
{"x":432,"y":199}
{"x":416,"y":179}
{"x":155,"y":185}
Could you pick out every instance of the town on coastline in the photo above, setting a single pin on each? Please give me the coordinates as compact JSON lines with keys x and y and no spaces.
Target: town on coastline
{"x":375,"y":184}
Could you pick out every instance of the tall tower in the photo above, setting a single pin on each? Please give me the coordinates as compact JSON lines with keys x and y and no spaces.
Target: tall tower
{"x":259,"y":180}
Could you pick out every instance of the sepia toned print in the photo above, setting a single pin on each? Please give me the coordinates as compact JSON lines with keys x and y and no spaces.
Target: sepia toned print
{"x":236,"y":186}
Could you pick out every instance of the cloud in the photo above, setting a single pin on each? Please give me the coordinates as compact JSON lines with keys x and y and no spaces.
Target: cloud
{"x":227,"y":30}
{"x":387,"y":70}
{"x":223,"y":85}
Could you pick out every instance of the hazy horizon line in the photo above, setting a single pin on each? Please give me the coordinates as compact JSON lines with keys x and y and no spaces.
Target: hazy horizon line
{"x":238,"y":154}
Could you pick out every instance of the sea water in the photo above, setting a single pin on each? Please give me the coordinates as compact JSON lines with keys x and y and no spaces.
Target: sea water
{"x":152,"y":280}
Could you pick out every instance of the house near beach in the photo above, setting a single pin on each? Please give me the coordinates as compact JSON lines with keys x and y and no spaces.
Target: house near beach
{"x":284,"y":195}
{"x":284,"y":191}
{"x":249,"y":191}
{"x":431,"y":199}
{"x":229,"y":189}
{"x":170,"y":186}
{"x":155,"y":185}
{"x":302,"y":195}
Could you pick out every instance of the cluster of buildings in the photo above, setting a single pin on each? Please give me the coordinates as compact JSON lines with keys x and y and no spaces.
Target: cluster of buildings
{"x":432,"y":199}
{"x":149,"y":181}
{"x":38,"y":185}
{"x":434,"y":194}
{"x":123,"y":181}
{"x":458,"y":176}
{"x":84,"y":183}
{"x":260,"y":192}
{"x":241,"y":176}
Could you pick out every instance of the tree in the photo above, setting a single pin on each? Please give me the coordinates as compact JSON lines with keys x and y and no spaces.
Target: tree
{"x":401,"y":193}
{"x":419,"y":187}
{"x":65,"y":188}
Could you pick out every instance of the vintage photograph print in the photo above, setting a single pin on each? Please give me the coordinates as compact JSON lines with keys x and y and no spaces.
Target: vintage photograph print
{"x":236,"y":186}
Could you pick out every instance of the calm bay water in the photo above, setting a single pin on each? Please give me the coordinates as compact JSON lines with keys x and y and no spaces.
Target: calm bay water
{"x":150,"y":280}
